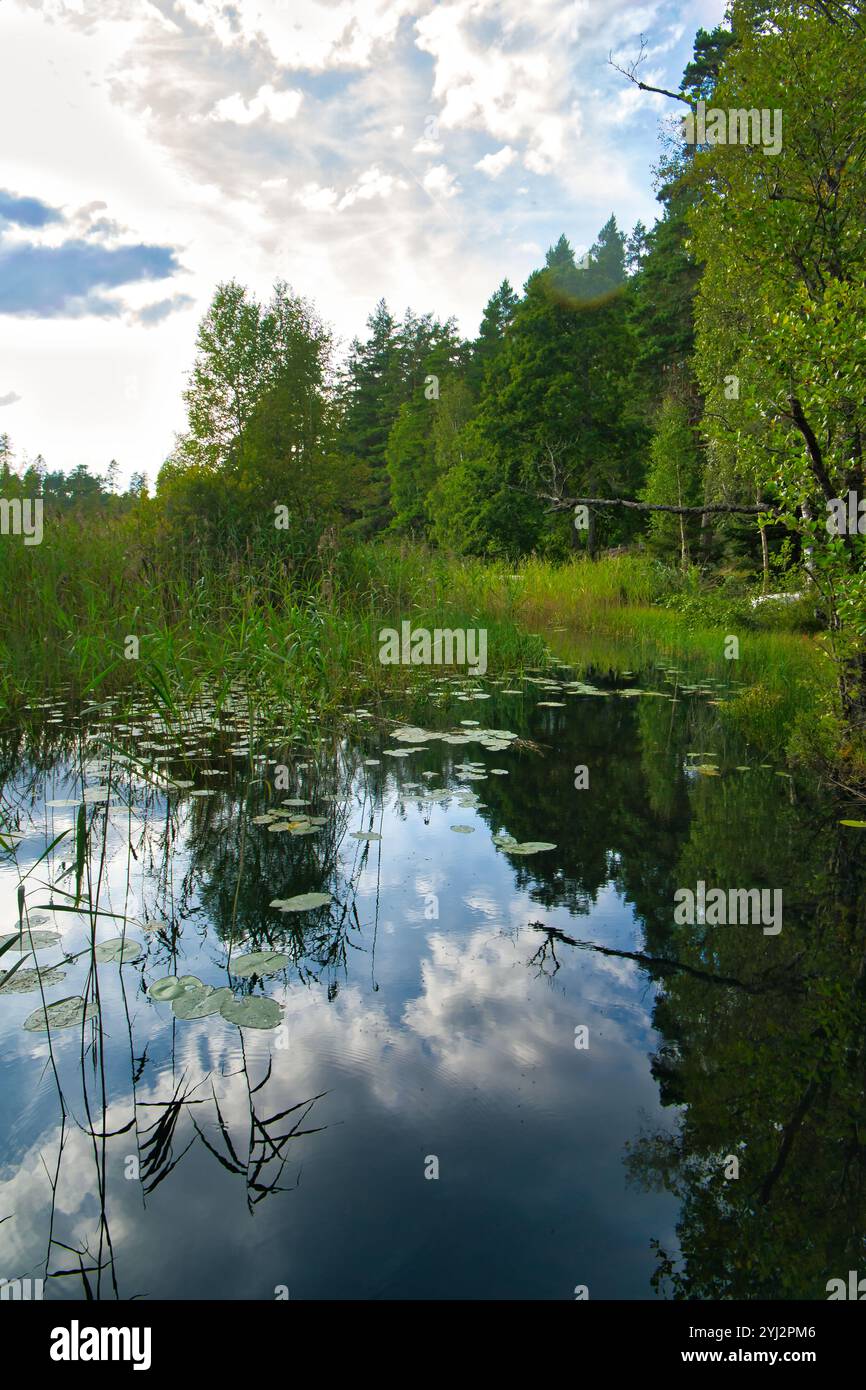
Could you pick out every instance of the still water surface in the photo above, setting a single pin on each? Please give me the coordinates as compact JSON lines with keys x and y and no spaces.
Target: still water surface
{"x":494,"y":1074}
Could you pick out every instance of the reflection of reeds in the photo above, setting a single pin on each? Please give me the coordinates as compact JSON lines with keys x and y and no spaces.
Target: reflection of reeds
{"x":262,"y":1147}
{"x":161,"y":1137}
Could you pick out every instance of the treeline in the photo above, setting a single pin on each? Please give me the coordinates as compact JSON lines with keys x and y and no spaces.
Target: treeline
{"x":421,"y":433}
{"x":78,"y":490}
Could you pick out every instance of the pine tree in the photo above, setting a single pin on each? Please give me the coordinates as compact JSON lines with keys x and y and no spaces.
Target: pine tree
{"x":495,"y":321}
{"x":371,"y":397}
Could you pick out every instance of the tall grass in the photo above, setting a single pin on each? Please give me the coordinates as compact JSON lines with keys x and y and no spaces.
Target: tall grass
{"x":306,"y":634}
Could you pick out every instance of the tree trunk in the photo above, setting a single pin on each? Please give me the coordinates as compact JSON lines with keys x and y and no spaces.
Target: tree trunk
{"x":852,"y":683}
{"x":765,"y":553}
{"x":591,"y":536}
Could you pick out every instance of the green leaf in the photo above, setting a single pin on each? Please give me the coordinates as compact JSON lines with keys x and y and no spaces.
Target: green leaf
{"x":252,"y":1012}
{"x":259,"y":963}
{"x":118,"y":948}
{"x":62,"y":1014}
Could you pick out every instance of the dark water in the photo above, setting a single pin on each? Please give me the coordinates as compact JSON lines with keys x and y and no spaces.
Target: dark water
{"x":583,"y":1073}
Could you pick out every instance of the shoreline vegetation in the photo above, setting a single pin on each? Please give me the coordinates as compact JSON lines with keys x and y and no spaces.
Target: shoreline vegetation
{"x":306,"y":640}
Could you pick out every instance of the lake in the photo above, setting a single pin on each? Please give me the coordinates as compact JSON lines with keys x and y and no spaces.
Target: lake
{"x":430,"y":1030}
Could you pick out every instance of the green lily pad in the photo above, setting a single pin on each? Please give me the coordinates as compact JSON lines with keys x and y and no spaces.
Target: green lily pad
{"x":62,"y":1014}
{"x":463,"y":829}
{"x":303,"y":902}
{"x":169,"y":987}
{"x":249,"y":1012}
{"x":259,"y":963}
{"x":23,"y":981}
{"x":30,"y":939}
{"x":856,"y":824}
{"x":199,"y":1001}
{"x":118,"y":949}
{"x":365,"y":835}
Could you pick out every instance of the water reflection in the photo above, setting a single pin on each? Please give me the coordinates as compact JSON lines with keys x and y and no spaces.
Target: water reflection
{"x":433,"y":1009}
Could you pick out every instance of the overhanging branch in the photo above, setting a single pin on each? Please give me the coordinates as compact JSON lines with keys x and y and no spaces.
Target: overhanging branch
{"x":560,"y":504}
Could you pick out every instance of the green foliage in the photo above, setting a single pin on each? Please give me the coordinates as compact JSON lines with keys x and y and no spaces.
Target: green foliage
{"x":783,"y":294}
{"x":674,"y":477}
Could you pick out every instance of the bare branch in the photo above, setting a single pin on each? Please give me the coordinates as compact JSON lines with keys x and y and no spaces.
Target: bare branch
{"x":559,"y":504}
{"x":631,"y":73}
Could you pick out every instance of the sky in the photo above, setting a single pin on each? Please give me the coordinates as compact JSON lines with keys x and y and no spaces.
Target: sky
{"x":358,"y":149}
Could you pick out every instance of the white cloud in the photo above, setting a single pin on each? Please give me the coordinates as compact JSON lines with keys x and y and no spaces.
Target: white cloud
{"x":311,"y":34}
{"x":495,"y":164}
{"x":439,"y":182}
{"x":372,"y":184}
{"x":427,"y":145}
{"x":278,"y":106}
{"x":315,"y":198}
{"x":10,"y":398}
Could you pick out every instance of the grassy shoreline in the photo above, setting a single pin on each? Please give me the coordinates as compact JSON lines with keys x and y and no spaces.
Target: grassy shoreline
{"x":307,"y":636}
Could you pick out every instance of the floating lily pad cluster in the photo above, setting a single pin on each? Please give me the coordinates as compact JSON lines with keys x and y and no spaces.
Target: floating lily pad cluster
{"x":190,"y":998}
{"x":60,"y":1013}
{"x":494,"y":740}
{"x":291,"y":821}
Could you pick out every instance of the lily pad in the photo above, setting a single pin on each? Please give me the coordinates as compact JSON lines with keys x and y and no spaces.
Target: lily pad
{"x":303,"y":902}
{"x":23,"y":981}
{"x":528,"y":847}
{"x":169,"y":987}
{"x":463,"y":829}
{"x":30,"y":939}
{"x":365,"y":835}
{"x":856,"y":824}
{"x":64,"y":1013}
{"x":118,"y":949}
{"x":259,"y":963}
{"x":249,"y":1012}
{"x":200,"y":1001}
